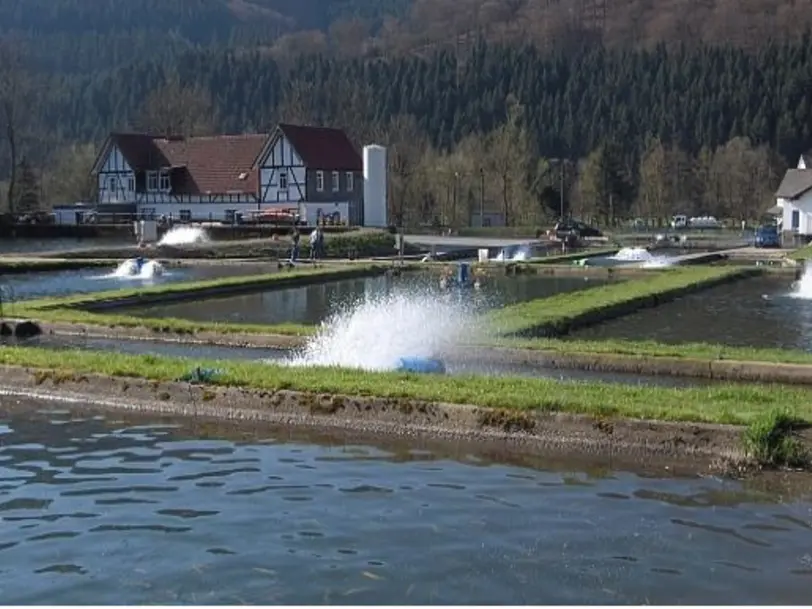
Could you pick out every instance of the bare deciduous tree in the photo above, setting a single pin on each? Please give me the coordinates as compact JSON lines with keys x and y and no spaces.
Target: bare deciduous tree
{"x":14,"y":89}
{"x":177,"y":110}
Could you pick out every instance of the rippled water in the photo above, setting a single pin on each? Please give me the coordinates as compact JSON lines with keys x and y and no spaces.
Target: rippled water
{"x":99,"y":510}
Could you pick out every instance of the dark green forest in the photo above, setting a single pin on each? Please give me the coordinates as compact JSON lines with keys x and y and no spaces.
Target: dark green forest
{"x":631,"y":131}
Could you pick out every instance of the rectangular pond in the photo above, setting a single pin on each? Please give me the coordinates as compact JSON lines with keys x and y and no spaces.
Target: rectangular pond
{"x":763,"y":312}
{"x":98,"y":279}
{"x":312,"y":304}
{"x":106,"y":508}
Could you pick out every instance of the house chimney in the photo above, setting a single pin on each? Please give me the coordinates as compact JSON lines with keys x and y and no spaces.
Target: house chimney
{"x":375,"y":207}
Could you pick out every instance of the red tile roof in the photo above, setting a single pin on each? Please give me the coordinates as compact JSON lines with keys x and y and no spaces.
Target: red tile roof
{"x":323,"y":147}
{"x":213,"y":165}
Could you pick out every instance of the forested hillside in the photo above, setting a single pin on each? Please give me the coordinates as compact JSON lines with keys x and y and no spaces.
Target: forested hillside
{"x":640,"y":130}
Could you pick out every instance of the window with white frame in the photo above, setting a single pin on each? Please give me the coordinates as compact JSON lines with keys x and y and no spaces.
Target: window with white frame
{"x":148,"y":213}
{"x":111,"y":183}
{"x":335,"y":182}
{"x":350,"y":177}
{"x":185,"y":215}
{"x":230,"y":215}
{"x":283,"y":180}
{"x":320,"y":181}
{"x":131,"y":184}
{"x":164,"y":183}
{"x":152,"y":181}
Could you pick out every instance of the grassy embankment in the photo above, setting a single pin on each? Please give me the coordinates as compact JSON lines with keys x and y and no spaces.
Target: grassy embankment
{"x":79,"y":308}
{"x":556,"y":311}
{"x":562,"y":313}
{"x":734,"y":404}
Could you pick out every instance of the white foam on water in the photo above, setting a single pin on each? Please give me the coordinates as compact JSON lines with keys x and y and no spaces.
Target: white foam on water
{"x":642,"y":255}
{"x":184,"y":235}
{"x":129,"y":270}
{"x":375,"y":332}
{"x":520,"y":255}
{"x":802,"y":288}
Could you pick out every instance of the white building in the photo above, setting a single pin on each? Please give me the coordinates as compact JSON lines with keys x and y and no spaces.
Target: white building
{"x":794,"y":201}
{"x":314,"y":169}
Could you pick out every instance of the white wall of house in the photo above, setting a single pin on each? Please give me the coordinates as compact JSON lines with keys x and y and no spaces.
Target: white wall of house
{"x":282,"y":174}
{"x":797,"y":214}
{"x":116,"y":179}
{"x":197,"y":212}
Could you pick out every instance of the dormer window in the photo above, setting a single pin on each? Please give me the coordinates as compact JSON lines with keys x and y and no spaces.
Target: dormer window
{"x":152,"y":181}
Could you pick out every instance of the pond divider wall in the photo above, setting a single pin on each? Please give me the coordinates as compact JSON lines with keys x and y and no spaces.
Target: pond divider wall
{"x":602,"y":314}
{"x":274,"y":282}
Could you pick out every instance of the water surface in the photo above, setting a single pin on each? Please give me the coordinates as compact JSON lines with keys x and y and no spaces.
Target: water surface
{"x":13,"y":247}
{"x":98,"y":279}
{"x":757,"y":312}
{"x":313,"y":303}
{"x":134,"y":511}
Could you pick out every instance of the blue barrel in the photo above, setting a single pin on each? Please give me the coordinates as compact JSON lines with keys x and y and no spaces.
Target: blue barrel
{"x":462,"y":273}
{"x":424,"y":365}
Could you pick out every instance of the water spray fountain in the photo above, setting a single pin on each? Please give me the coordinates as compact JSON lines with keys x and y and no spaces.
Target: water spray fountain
{"x":184,"y":235}
{"x":137,"y":268}
{"x":802,"y":288}
{"x":406,"y":330}
{"x":642,"y":256}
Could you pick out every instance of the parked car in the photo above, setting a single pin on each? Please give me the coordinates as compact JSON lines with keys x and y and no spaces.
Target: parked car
{"x":570,"y":227}
{"x":767,"y":236}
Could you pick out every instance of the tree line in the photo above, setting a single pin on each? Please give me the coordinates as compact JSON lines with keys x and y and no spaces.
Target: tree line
{"x":624,"y":128}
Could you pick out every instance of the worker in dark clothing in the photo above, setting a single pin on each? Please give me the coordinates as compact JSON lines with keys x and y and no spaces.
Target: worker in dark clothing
{"x":294,"y":251}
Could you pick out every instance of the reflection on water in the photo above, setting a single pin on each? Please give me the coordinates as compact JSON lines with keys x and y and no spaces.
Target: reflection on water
{"x":83,"y":281}
{"x":110,"y":511}
{"x":312,"y":304}
{"x":754,"y":312}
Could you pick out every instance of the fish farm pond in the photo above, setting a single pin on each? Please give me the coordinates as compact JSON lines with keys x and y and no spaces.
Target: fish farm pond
{"x":312,"y":304}
{"x":137,"y":509}
{"x":763,"y":312}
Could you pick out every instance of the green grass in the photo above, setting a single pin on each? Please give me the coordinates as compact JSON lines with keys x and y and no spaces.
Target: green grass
{"x":733,"y":404}
{"x":801,"y":253}
{"x":564,"y":258}
{"x":770,"y":440}
{"x":649,"y":349}
{"x":560,"y":313}
{"x":73,"y":309}
{"x":282,"y":277}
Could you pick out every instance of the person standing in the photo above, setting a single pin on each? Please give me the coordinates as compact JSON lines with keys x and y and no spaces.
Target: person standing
{"x":294,"y":251}
{"x":314,"y":244}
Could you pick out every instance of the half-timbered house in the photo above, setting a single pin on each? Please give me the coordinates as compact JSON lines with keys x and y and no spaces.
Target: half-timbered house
{"x":316,"y":169}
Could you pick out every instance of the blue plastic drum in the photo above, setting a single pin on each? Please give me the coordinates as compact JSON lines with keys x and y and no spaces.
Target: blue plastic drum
{"x":424,"y":365}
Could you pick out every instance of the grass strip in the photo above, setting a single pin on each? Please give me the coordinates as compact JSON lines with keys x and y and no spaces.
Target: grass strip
{"x":564,"y":258}
{"x":648,"y":349}
{"x":771,"y":440}
{"x":562,"y":313}
{"x":73,"y":309}
{"x":729,"y":403}
{"x":276,"y":280}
